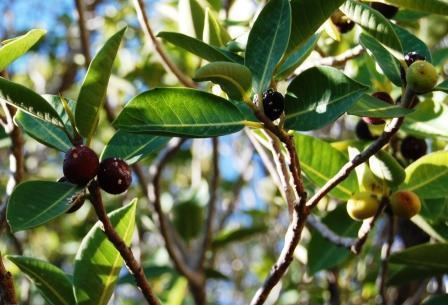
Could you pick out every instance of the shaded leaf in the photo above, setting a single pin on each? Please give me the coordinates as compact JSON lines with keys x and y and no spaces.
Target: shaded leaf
{"x":388,"y":63}
{"x":199,"y":48}
{"x":29,"y":101}
{"x":425,"y":256}
{"x":318,"y":96}
{"x":370,"y":106}
{"x":94,"y":87}
{"x":47,"y":133}
{"x":132,"y":147}
{"x":297,"y":58}
{"x":427,"y":6}
{"x":304,"y":24}
{"x":226,"y":237}
{"x":340,"y":223}
{"x":429,"y":120}
{"x":19,"y":46}
{"x":321,"y":167}
{"x":428,"y":176}
{"x":181,"y":112}
{"x":387,"y":168}
{"x":54,"y":285}
{"x":34,"y":203}
{"x":411,"y":43}
{"x":235,"y":79}
{"x":267,"y":42}
{"x":98,"y":263}
{"x":373,"y":22}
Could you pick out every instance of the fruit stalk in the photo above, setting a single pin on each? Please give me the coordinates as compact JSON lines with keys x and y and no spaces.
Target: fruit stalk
{"x":125,"y":252}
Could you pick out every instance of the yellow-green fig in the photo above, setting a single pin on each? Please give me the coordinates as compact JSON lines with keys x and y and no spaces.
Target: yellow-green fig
{"x":421,"y":76}
{"x":405,"y":204}
{"x":362,"y":205}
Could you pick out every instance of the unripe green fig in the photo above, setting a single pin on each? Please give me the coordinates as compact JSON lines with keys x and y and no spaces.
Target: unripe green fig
{"x":362,"y":205}
{"x":421,"y":76}
{"x":405,"y":204}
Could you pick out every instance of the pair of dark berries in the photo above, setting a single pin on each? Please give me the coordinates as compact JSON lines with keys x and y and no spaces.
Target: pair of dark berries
{"x":273,"y":104}
{"x":81,"y":165}
{"x":345,"y":25}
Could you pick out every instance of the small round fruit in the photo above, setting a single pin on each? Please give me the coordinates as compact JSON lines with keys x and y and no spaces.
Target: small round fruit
{"x":421,"y":76}
{"x":363,"y":132}
{"x":342,"y":22}
{"x":80,"y":165}
{"x":387,"y":11}
{"x":114,"y":176}
{"x":384,"y":96}
{"x":362,"y":205}
{"x":413,"y":148}
{"x":412,"y":57}
{"x":405,"y":204}
{"x":273,"y":104}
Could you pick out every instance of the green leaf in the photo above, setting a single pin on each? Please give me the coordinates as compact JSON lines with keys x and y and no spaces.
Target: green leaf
{"x":94,"y":87}
{"x":28,"y":101}
{"x":267,"y":42}
{"x":98,"y":263}
{"x":180,"y":112}
{"x":191,"y":18}
{"x":44,"y":132}
{"x":428,"y":6}
{"x":19,"y":46}
{"x":429,"y":120}
{"x":387,"y":168}
{"x":321,"y":167}
{"x":388,"y":63}
{"x":132,"y":147}
{"x":199,"y":48}
{"x":34,"y":203}
{"x":443,"y":86}
{"x":411,"y":43}
{"x":54,"y":285}
{"x":297,"y":58}
{"x":340,"y":223}
{"x":229,"y":236}
{"x":424,"y":256}
{"x":373,"y":22}
{"x":318,"y":96}
{"x":304,"y":23}
{"x":428,"y":176}
{"x":435,"y":210}
{"x":234,"y":79}
{"x":214,"y":33}
{"x":370,"y":106}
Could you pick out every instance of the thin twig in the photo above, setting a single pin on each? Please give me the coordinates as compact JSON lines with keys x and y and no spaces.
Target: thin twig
{"x":154,"y":196}
{"x":333,"y":287}
{"x":125,"y":252}
{"x":211,"y":206}
{"x":168,"y":64}
{"x":387,"y":247}
{"x":7,"y":291}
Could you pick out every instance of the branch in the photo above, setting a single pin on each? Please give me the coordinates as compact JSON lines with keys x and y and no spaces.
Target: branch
{"x":341,"y":59}
{"x":328,"y":234}
{"x":302,"y":209}
{"x":168,"y":64}
{"x":125,"y":252}
{"x":154,"y":196}
{"x":7,"y":291}
{"x":211,"y":206}
{"x":85,"y":46}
